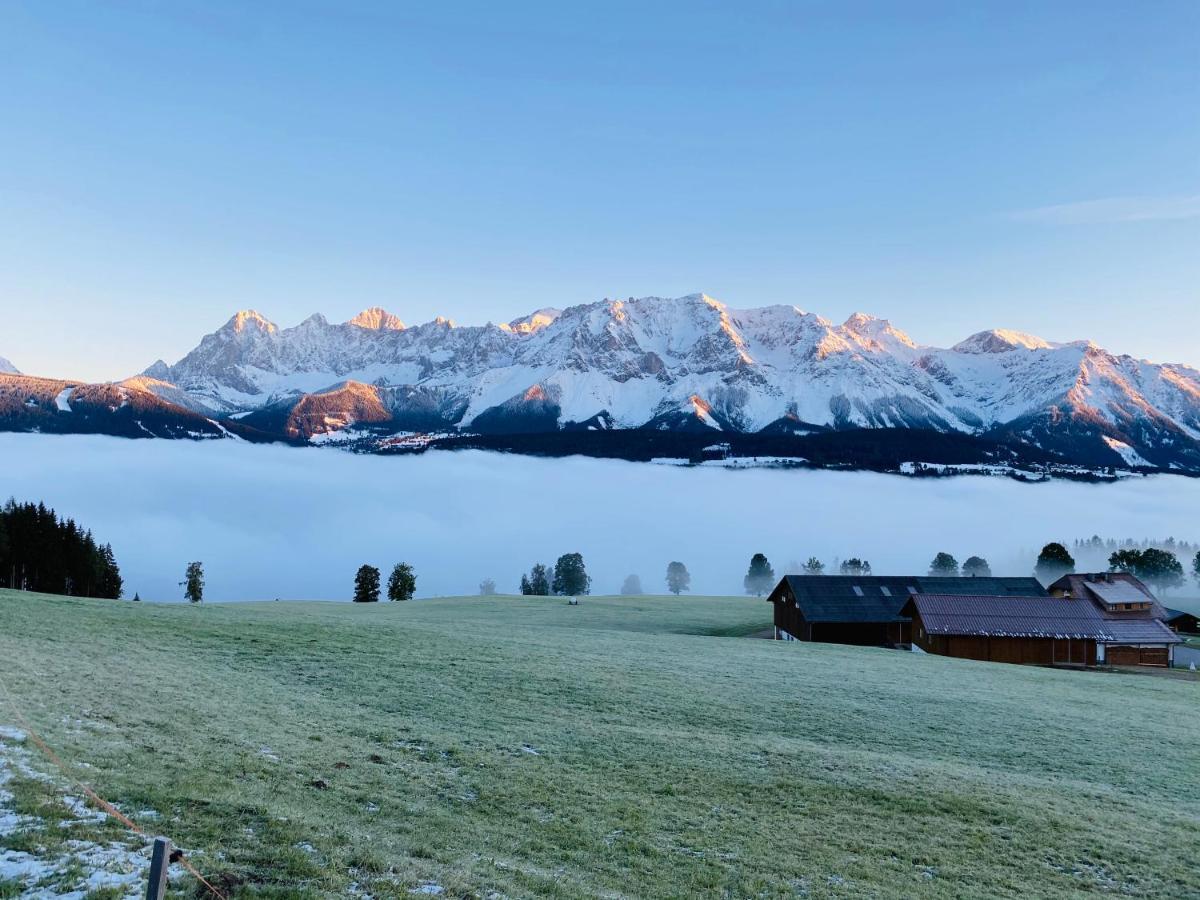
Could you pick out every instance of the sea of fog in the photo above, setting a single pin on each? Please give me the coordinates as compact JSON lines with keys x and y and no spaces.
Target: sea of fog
{"x":274,"y":521}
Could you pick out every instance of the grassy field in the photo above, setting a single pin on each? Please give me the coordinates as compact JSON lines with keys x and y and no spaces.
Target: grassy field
{"x":627,"y":747}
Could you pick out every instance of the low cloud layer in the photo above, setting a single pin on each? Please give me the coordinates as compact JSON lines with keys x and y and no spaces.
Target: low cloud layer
{"x":280,"y":522}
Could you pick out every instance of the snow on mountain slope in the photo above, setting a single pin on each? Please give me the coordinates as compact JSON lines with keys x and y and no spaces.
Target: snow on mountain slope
{"x":677,"y":362}
{"x":7,"y":368}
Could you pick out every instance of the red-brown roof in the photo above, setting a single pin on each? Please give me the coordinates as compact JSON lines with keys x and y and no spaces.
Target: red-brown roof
{"x":1110,"y":590}
{"x":1040,"y":617}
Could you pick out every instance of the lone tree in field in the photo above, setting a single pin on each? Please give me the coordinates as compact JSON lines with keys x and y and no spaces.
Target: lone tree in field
{"x":977,"y":567}
{"x":855,"y":566}
{"x":537,"y":582}
{"x":760,"y":577}
{"x":570,"y":576}
{"x":678,"y":578}
{"x":631,"y":585}
{"x":1054,"y":562}
{"x":487,"y":588}
{"x":402,"y":583}
{"x":193,"y":582}
{"x":814,"y":566}
{"x":366,"y":585}
{"x":944,"y":564}
{"x":137,"y":598}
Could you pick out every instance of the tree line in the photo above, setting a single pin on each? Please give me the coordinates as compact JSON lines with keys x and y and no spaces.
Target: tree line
{"x":41,"y":552}
{"x":1159,"y":568}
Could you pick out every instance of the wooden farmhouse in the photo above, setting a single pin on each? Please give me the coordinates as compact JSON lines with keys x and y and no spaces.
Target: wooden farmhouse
{"x":867,"y":609}
{"x":1047,"y":631}
{"x":1182,"y":622}
{"x":1082,"y":620}
{"x":1130,"y":610}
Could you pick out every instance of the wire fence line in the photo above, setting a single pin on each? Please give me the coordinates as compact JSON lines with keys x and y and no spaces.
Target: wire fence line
{"x":100,"y":802}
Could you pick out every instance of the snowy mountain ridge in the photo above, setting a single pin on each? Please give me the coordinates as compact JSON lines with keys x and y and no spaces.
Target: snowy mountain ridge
{"x":683,"y":364}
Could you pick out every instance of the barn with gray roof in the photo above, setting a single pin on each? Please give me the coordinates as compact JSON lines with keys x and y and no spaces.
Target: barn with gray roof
{"x":867,"y":609}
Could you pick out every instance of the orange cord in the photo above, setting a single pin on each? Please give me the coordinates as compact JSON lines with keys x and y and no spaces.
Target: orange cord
{"x":95,"y":798}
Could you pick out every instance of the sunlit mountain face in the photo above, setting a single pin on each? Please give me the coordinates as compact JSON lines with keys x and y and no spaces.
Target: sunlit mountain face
{"x":688,"y":366}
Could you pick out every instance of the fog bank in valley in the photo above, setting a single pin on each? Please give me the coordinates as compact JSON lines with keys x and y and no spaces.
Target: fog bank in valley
{"x":272,"y":521}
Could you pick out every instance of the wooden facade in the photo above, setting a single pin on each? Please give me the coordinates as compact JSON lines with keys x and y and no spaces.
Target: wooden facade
{"x":1182,"y":622}
{"x":1029,"y":651}
{"x":789,"y":621}
{"x":1121,"y":655}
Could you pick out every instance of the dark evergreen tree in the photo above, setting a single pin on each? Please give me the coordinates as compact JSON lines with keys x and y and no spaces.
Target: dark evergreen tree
{"x":570,"y":576}
{"x":760,"y":577}
{"x":137,"y":598}
{"x":678,"y":578}
{"x":1054,"y":562}
{"x":976,"y":567}
{"x":366,"y":585}
{"x":193,"y":582}
{"x":537,"y":582}
{"x":39,"y":552}
{"x":1196,"y":566}
{"x":855,"y":566}
{"x":632,"y":585}
{"x":944,"y":564}
{"x":402,"y":583}
{"x":814,"y":566}
{"x":111,"y":583}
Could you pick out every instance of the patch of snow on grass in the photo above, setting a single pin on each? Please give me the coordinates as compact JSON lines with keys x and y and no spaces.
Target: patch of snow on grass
{"x":63,"y":400}
{"x":86,"y":866}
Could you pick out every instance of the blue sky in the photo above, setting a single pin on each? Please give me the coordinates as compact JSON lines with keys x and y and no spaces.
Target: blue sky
{"x":950,"y":166}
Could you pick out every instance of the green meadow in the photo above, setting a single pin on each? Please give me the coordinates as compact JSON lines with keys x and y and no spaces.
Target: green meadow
{"x":626,"y":747}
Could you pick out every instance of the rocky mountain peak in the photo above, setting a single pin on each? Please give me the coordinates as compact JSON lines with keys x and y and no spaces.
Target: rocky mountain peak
{"x":535,"y":321}
{"x":249,"y":320}
{"x":879,"y":332}
{"x":159,"y":370}
{"x":377,"y":319}
{"x":1001,"y":340}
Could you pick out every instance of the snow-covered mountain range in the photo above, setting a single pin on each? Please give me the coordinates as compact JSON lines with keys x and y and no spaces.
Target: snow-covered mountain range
{"x":7,"y":368}
{"x":684,"y":364}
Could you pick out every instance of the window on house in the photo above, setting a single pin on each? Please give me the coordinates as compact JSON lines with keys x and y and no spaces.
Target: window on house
{"x":858,"y":590}
{"x":887,"y":592}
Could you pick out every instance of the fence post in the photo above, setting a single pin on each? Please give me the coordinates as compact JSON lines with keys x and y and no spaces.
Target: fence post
{"x":160,"y":859}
